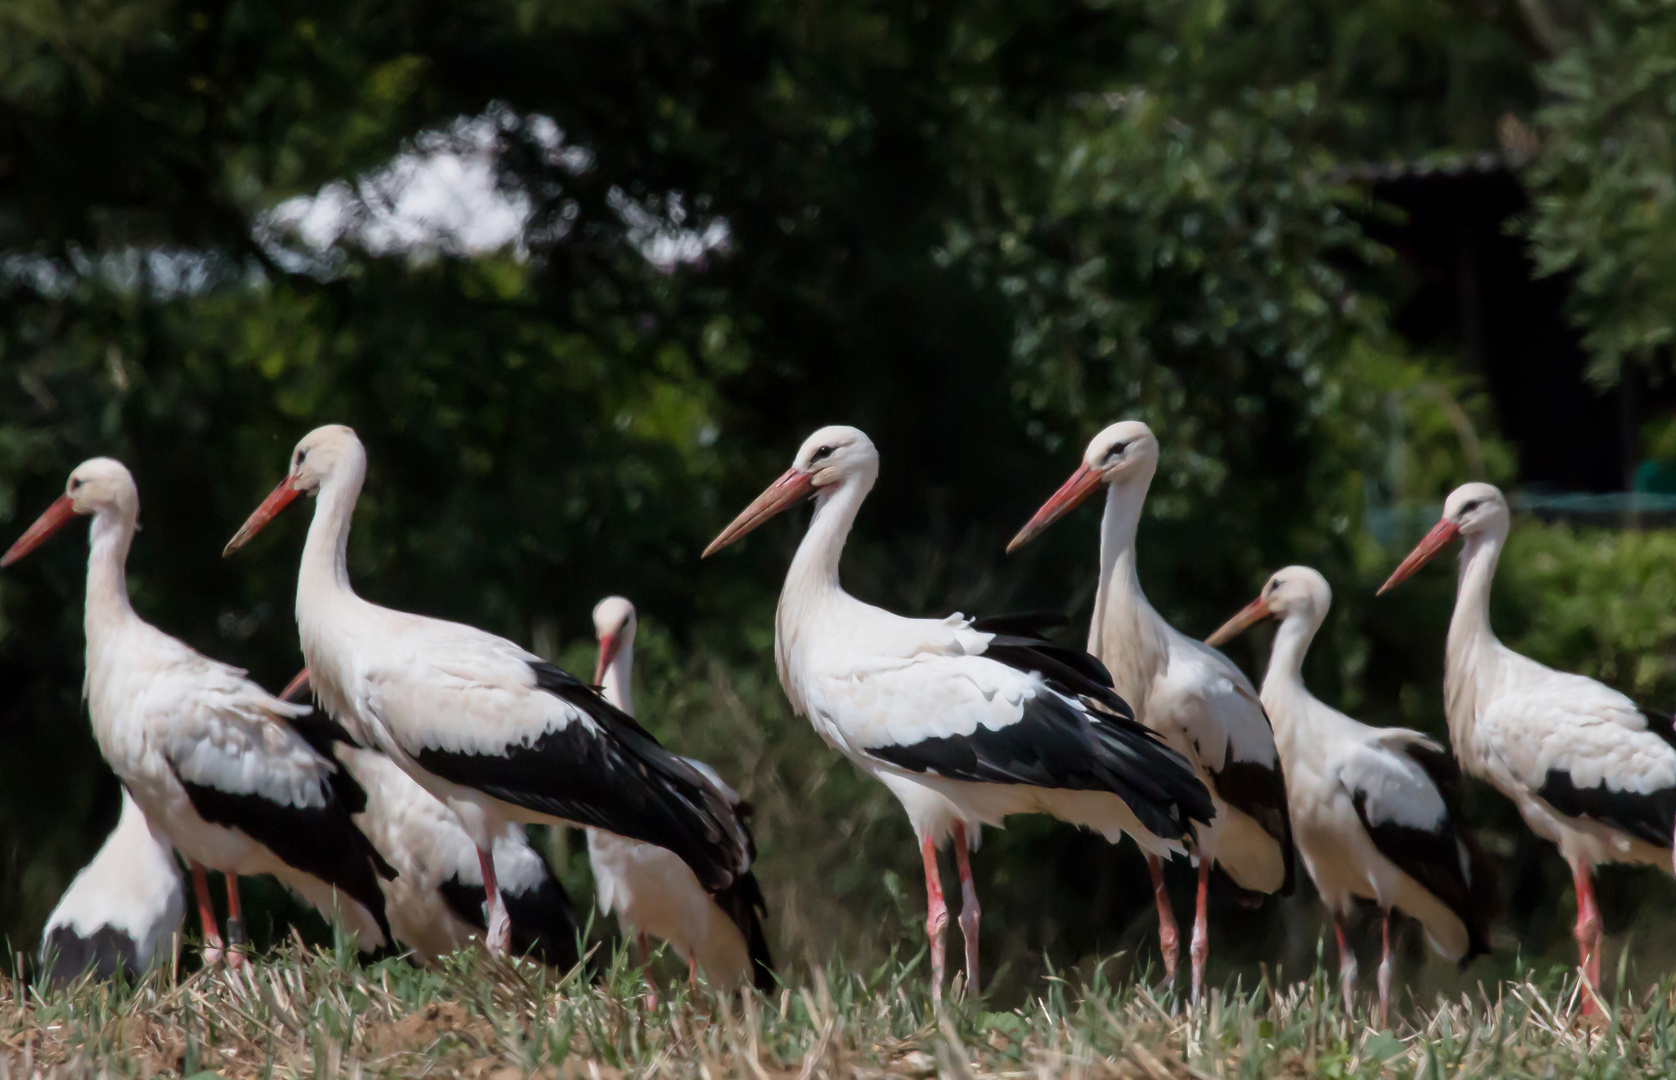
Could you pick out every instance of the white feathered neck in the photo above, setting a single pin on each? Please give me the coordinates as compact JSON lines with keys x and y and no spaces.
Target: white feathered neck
{"x":1472,"y":654}
{"x":1127,"y":634}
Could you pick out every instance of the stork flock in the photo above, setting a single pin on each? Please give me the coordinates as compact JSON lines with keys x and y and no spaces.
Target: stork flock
{"x":395,"y":803}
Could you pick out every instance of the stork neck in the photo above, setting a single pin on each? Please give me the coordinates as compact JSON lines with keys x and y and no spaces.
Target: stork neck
{"x":1127,"y":634}
{"x":325,"y":566}
{"x":615,"y":687}
{"x":814,"y":569}
{"x":107,"y":570}
{"x":1293,"y":712}
{"x":1469,"y":626}
{"x":1291,"y":645}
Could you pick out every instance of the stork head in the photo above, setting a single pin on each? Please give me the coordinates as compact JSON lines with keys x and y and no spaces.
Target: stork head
{"x":614,"y":625}
{"x":1295,"y":590}
{"x":1470,"y":510}
{"x":1125,"y":453}
{"x":98,"y":485}
{"x":827,"y":458}
{"x":323,"y":453}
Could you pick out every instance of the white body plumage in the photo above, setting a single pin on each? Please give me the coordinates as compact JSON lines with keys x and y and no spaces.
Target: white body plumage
{"x":123,"y":910}
{"x":647,"y":888}
{"x":184,"y":733}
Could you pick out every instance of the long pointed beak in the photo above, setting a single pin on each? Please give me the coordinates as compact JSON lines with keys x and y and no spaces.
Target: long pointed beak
{"x":1433,"y":542}
{"x":1254,"y":612}
{"x":608,"y":646}
{"x":789,"y":490}
{"x":1083,"y":483}
{"x":270,"y":508}
{"x":59,"y":514}
{"x":297,"y":689}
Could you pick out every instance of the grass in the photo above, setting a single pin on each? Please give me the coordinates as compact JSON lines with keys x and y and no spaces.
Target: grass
{"x":319,"y":1013}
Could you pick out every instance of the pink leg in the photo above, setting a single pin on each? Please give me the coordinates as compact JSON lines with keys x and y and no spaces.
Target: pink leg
{"x":499,"y":938}
{"x":969,"y":910}
{"x":213,"y":945}
{"x":643,"y":946}
{"x":1200,"y":949}
{"x":1385,"y":968}
{"x":1587,"y":933}
{"x":936,"y":917}
{"x":235,"y":923}
{"x":1168,"y":939}
{"x":1346,"y":966}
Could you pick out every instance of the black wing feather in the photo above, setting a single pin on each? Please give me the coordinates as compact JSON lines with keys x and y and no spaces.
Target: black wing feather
{"x":1054,"y":744}
{"x":614,"y":776}
{"x":1030,"y":624}
{"x":107,"y":953}
{"x":1259,"y":792}
{"x":322,"y":841}
{"x":1019,"y":643}
{"x":1650,"y":817}
{"x":1446,"y":862}
{"x":743,"y":903}
{"x":543,"y":924}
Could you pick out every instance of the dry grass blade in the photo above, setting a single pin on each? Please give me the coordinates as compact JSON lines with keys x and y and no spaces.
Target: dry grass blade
{"x":302,"y":1013}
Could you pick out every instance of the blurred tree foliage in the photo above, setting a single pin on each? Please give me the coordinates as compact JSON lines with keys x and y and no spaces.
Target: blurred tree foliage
{"x":979,"y":231}
{"x":1605,"y":176}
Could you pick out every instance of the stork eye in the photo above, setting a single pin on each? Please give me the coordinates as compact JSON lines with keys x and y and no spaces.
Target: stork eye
{"x":1116,"y":450}
{"x":1274,"y":586}
{"x":823,"y":452}
{"x":75,"y":484}
{"x":1471,"y":506}
{"x":299,"y":462}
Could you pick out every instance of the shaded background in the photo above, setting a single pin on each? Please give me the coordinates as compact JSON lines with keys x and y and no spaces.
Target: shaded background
{"x":1342,"y":256}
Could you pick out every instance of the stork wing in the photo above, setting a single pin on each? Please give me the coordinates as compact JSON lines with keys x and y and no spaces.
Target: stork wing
{"x":1586,"y":750}
{"x":1401,"y":784}
{"x":1208,"y":699}
{"x":488,"y":716}
{"x":974,"y":718}
{"x":231,"y":746}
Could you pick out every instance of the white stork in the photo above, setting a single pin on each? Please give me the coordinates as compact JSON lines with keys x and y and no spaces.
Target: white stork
{"x":649,"y":890}
{"x":966,"y":722}
{"x":1194,"y":697}
{"x":436,"y":903}
{"x":208,"y":755}
{"x":1373,"y":809}
{"x":122,"y":912}
{"x":1589,"y":770}
{"x":487,"y":727}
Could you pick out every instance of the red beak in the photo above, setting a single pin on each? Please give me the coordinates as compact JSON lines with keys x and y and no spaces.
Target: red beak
{"x":1083,"y":483}
{"x":59,"y":514}
{"x":1434,"y":541}
{"x":789,"y":490}
{"x":297,"y":689}
{"x":270,"y":508}
{"x":1254,"y":612}
{"x":608,"y":646}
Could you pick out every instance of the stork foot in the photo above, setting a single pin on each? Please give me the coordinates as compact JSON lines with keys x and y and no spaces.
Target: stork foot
{"x":499,"y":940}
